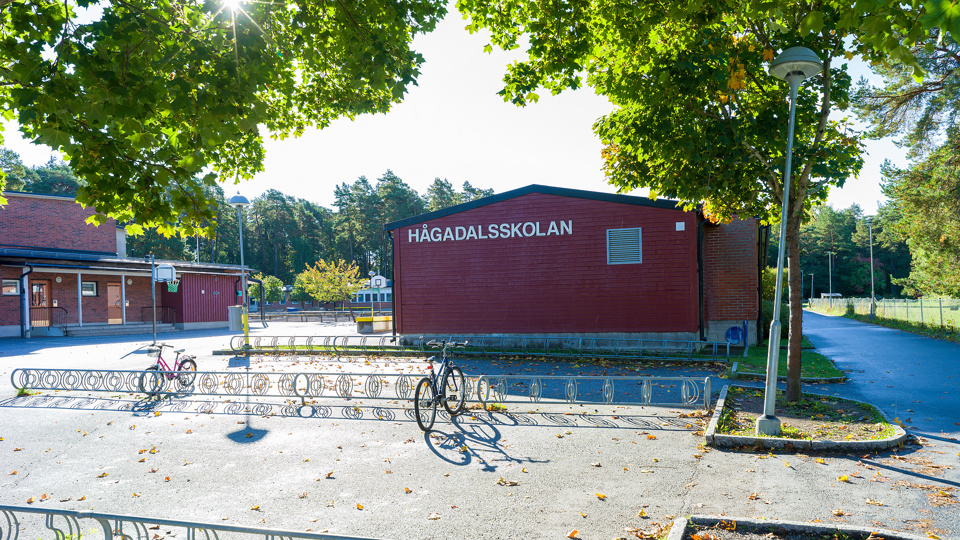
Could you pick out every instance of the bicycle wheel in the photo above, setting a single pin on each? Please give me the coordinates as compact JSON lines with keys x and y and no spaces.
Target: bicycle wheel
{"x":188,"y":372}
{"x":454,"y":391}
{"x":424,"y":404}
{"x":151,"y":381}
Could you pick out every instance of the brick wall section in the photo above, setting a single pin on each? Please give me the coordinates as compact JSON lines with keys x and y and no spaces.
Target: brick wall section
{"x":9,"y":305}
{"x":55,"y":223}
{"x":65,"y":293}
{"x":730,"y":271}
{"x":549,"y":284}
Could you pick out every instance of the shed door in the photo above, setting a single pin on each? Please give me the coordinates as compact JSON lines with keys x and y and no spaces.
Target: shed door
{"x":114,"y":309}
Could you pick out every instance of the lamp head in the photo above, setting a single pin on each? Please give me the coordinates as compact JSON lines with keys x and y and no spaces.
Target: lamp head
{"x":796,"y":61}
{"x":238,"y":201}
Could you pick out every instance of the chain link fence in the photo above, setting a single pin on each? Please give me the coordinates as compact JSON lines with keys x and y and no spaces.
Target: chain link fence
{"x":938,"y":312}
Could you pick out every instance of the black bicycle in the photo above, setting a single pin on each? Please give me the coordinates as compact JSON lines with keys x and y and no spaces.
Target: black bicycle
{"x":447,"y":386}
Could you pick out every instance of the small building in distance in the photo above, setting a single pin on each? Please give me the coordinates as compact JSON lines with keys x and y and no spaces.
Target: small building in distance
{"x":549,"y":261}
{"x":61,"y":275}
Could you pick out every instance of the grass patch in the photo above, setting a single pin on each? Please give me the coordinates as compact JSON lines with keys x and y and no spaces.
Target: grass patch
{"x":804,"y":343}
{"x":814,"y":417}
{"x":945,"y":333}
{"x":812,"y":365}
{"x":23,"y":392}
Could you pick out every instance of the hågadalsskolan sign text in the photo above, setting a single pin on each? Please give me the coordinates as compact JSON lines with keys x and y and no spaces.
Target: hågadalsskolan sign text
{"x":492,"y":231}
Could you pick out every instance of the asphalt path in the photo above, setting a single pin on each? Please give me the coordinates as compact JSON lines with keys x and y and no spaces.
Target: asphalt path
{"x":911,"y":377}
{"x":364,"y":468}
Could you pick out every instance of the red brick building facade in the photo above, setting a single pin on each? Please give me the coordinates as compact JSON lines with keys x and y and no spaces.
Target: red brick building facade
{"x":60,"y":272}
{"x":550,"y":261}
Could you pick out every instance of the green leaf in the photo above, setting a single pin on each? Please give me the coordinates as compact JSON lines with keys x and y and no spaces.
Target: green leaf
{"x":812,"y":23}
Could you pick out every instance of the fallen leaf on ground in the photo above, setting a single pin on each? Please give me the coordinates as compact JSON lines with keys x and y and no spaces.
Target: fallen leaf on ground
{"x":601,"y":496}
{"x":359,"y":506}
{"x":874,"y":502}
{"x":573,"y":534}
{"x":433,"y":516}
{"x":821,"y":461}
{"x":407,"y":490}
{"x":844,"y":478}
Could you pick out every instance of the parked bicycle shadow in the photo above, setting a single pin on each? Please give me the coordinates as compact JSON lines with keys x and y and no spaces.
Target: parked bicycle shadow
{"x":472,"y":440}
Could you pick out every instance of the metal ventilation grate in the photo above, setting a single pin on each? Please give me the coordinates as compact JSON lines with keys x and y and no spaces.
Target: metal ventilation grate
{"x":624,"y":246}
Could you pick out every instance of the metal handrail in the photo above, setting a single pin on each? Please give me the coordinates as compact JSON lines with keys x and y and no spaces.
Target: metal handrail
{"x":136,"y":527}
{"x":58,"y":316}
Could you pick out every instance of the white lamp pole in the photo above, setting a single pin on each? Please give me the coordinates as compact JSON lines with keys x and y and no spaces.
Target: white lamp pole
{"x":873,"y":296}
{"x":240,"y":202}
{"x":794,"y":65}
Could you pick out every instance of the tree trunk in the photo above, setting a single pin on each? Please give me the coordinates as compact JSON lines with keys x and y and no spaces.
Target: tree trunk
{"x":796,"y":307}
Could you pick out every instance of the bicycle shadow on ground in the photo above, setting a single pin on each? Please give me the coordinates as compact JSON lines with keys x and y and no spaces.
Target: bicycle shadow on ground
{"x":467,"y":442}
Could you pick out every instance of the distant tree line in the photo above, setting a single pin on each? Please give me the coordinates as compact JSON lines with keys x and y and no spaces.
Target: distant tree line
{"x":282,"y":235}
{"x":846,"y":234}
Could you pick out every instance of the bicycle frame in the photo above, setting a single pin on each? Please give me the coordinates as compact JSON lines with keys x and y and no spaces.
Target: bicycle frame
{"x":162,"y":365}
{"x":436,"y":379}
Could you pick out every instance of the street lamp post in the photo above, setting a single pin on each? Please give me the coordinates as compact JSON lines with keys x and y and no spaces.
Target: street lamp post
{"x":873,"y":296}
{"x":794,"y":65}
{"x":830,"y":255}
{"x":240,"y":202}
{"x":811,"y":287}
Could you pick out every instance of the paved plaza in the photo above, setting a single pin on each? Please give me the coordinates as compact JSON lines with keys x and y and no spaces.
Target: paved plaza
{"x":364,"y":468}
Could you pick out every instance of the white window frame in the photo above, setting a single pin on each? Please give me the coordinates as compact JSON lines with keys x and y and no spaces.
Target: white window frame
{"x":85,"y":292}
{"x":16,"y":287}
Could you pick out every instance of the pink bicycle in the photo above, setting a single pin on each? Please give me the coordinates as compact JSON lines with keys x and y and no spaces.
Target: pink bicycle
{"x":153,"y":379}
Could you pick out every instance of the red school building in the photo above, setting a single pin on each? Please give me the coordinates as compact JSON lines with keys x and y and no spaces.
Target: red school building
{"x":550,"y":261}
{"x":63,"y":276}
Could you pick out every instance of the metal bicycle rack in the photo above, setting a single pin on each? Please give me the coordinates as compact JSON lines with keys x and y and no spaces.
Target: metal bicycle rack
{"x":536,"y":346}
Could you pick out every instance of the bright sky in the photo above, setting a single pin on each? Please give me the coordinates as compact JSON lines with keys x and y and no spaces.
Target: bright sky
{"x":455,"y":126}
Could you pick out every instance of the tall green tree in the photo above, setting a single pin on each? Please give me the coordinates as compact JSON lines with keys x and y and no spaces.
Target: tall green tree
{"x":154,"y":99}
{"x":923,"y":111}
{"x":927,"y":196}
{"x":398,"y":201}
{"x":12,"y":167}
{"x":697,"y":116}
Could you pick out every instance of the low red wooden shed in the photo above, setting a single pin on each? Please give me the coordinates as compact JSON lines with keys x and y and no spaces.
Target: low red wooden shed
{"x":550,"y":261}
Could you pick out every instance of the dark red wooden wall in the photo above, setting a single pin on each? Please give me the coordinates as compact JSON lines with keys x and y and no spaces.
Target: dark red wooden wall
{"x":549,"y":284}
{"x":201,"y":297}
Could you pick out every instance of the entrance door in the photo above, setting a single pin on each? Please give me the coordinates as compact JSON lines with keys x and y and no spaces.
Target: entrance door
{"x":40,"y":303}
{"x":114,"y":307}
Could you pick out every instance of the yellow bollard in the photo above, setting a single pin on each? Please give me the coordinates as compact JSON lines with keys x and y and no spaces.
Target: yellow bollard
{"x":246,"y":328}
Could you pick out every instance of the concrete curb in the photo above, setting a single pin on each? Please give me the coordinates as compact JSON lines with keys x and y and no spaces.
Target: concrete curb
{"x":679,"y":529}
{"x":727,"y":441}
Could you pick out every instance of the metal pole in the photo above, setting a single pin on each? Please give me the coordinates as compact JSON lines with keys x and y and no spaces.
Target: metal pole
{"x":243,"y":274}
{"x":830,"y":268}
{"x":153,"y":296}
{"x":873,"y":297}
{"x":941,"y":313}
{"x":769,"y":424}
{"x":811,"y":286}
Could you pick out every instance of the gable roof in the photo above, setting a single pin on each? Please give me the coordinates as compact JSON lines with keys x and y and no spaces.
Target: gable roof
{"x":535,"y":188}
